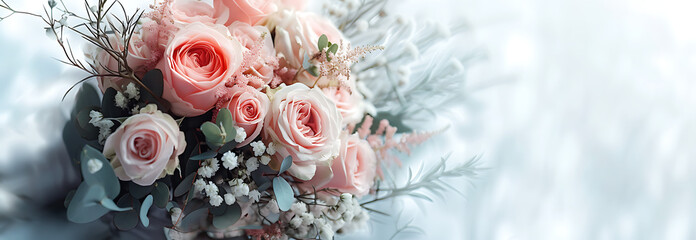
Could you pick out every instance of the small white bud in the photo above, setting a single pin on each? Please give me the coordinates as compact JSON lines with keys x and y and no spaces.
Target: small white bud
{"x":94,"y":165}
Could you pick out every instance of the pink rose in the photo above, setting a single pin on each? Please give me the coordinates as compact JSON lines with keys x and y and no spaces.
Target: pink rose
{"x":348,"y":101}
{"x":303,"y":124}
{"x":138,"y":56}
{"x":190,"y":11}
{"x":248,"y":107}
{"x":196,"y":65}
{"x":145,"y":147}
{"x":353,"y":171}
{"x":248,"y":11}
{"x":294,"y":4}
{"x":297,"y":34}
{"x":262,"y":67}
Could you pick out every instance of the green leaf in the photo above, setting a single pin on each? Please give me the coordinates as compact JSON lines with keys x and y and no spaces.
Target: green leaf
{"x":285,"y":165}
{"x":170,"y":205}
{"x":283,"y":193}
{"x":333,"y":49}
{"x":86,"y":129}
{"x":204,"y":156}
{"x":305,"y":62}
{"x":104,"y":177}
{"x":313,"y":71}
{"x":192,"y":220}
{"x":88,"y":96}
{"x":84,"y":206}
{"x":127,"y":220}
{"x":111,"y":205}
{"x":147,"y":203}
{"x":213,"y":133}
{"x":231,"y":215}
{"x":219,"y":210}
{"x":108,"y":105}
{"x":323,"y":42}
{"x":227,"y":147}
{"x":226,"y":122}
{"x":161,"y":194}
{"x":185,"y":185}
{"x":138,"y":191}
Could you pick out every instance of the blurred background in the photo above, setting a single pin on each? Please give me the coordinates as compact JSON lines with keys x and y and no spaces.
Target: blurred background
{"x":582,"y":110}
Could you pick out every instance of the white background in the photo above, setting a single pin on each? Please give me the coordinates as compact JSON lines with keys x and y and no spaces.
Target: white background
{"x":583,"y":112}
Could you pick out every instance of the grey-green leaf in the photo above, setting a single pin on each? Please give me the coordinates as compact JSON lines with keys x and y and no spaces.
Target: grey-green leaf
{"x":285,"y":165}
{"x":203,"y":156}
{"x":333,"y":49}
{"x":88,"y":96}
{"x":185,"y":185}
{"x":283,"y":193}
{"x":127,"y":220}
{"x":313,"y":71}
{"x":111,"y":205}
{"x":138,"y":191}
{"x":192,"y":220}
{"x":323,"y":42}
{"x":144,"y":208}
{"x":84,"y":206}
{"x":104,"y":177}
{"x":224,"y":119}
{"x":231,"y":216}
{"x":213,"y":133}
{"x":160,"y":195}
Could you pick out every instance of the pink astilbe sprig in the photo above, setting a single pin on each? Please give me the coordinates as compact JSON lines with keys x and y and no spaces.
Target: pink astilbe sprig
{"x":251,"y":57}
{"x":336,"y":66}
{"x":158,"y":30}
{"x":384,"y":139}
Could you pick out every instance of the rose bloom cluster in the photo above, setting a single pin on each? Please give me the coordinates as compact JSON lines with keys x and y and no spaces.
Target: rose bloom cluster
{"x":246,"y":56}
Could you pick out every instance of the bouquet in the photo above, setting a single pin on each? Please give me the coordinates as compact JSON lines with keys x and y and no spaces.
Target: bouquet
{"x":246,"y":118}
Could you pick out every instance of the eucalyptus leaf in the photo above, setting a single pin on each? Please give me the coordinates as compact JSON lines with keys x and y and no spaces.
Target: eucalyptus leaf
{"x":111,"y":205}
{"x":323,"y":42}
{"x":160,"y":195}
{"x":225,"y":120}
{"x":108,"y":105}
{"x":204,"y":156}
{"x":104,"y":176}
{"x":88,"y":96}
{"x":138,"y":191}
{"x":84,"y":206}
{"x":193,"y":220}
{"x":285,"y":165}
{"x":305,"y":62}
{"x":313,"y":71}
{"x":219,"y":210}
{"x":333,"y":49}
{"x":265,"y":186}
{"x":86,"y":129}
{"x":127,"y":220}
{"x":283,"y":193}
{"x":144,"y":208}
{"x":231,"y":216}
{"x":185,"y":185}
{"x":227,"y":147}
{"x":213,"y":133}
